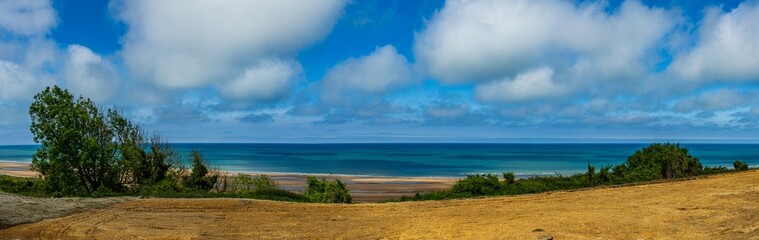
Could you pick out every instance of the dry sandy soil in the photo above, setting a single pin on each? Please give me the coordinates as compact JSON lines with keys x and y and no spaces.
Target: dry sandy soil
{"x":715,"y":207}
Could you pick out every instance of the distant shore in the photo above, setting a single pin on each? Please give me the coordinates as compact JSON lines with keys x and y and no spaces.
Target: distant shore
{"x":362,"y":188}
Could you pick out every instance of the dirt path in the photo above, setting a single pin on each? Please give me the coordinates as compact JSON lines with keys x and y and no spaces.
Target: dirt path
{"x":717,"y":207}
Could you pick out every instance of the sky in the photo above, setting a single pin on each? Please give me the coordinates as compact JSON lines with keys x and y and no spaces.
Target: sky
{"x":341,"y":71}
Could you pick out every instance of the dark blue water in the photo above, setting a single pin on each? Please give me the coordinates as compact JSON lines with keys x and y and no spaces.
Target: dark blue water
{"x":428,"y":159}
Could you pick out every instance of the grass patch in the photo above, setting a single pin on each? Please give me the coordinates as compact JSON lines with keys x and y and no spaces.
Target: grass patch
{"x":36,"y":187}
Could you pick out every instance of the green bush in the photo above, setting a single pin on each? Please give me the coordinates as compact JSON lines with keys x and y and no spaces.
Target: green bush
{"x":263,"y":183}
{"x":591,"y":173}
{"x":740,"y":166}
{"x":477,"y":185}
{"x":660,"y":161}
{"x":166,"y":187}
{"x":604,"y":176}
{"x":324,"y":191}
{"x":714,"y":170}
{"x":26,"y":186}
{"x":243,"y":183}
{"x":509,"y":177}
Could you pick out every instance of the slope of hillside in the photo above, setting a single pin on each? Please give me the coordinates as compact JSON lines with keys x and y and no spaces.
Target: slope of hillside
{"x":715,"y":207}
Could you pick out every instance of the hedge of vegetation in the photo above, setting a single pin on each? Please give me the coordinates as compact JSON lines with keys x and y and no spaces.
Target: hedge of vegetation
{"x":657,"y":161}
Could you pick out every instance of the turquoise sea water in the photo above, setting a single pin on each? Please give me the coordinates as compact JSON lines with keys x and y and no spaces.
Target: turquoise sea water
{"x":442,"y":160}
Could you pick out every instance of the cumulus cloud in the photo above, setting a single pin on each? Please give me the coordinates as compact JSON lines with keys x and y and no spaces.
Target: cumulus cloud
{"x":727,"y":48}
{"x":722,"y":99}
{"x":377,"y":73}
{"x":27,"y":17}
{"x":89,"y":74}
{"x":454,"y":114}
{"x":17,"y":82}
{"x":372,"y":111}
{"x":269,"y":80}
{"x":180,"y":114}
{"x":12,"y":115}
{"x":187,"y":44}
{"x":481,"y":40}
{"x":535,"y":84}
{"x":257,"y":118}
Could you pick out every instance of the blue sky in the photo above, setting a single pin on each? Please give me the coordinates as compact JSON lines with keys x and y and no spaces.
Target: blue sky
{"x":393,"y":71}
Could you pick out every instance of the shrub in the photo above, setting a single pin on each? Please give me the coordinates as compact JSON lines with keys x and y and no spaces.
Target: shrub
{"x":477,"y":185}
{"x":263,"y":183}
{"x":591,"y":173}
{"x":509,"y":177}
{"x":243,"y":183}
{"x":740,"y":165}
{"x":714,"y":170}
{"x":603,"y":175}
{"x":22,"y":185}
{"x":326,"y":191}
{"x":659,"y":161}
{"x":166,"y":187}
{"x":199,"y":178}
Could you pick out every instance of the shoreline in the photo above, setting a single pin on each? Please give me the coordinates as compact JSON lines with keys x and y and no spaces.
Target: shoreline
{"x":362,"y":188}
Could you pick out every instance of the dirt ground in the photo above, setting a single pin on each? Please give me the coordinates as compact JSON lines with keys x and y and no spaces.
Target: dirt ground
{"x":15,"y":209}
{"x":716,"y":207}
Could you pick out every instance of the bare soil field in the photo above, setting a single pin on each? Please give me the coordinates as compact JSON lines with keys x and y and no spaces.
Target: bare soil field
{"x":716,"y":207}
{"x":15,"y":209}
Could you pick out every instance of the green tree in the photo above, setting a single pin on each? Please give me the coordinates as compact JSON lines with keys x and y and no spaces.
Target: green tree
{"x":199,"y":177}
{"x":76,"y":153}
{"x":84,"y":148}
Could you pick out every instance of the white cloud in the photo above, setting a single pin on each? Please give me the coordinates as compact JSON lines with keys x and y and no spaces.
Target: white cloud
{"x":448,"y":111}
{"x":27,"y":17}
{"x":481,"y":40}
{"x":266,"y":81}
{"x":17,"y":83}
{"x":535,"y":84}
{"x":722,"y":99}
{"x":727,"y":48}
{"x":88,"y":74}
{"x":376,"y":73}
{"x":186,"y":44}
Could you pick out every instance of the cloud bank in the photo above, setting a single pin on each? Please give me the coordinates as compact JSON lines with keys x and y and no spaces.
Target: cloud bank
{"x":191,"y":44}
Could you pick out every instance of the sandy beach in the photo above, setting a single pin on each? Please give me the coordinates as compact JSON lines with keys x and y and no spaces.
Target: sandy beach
{"x":362,"y":188}
{"x":16,"y":169}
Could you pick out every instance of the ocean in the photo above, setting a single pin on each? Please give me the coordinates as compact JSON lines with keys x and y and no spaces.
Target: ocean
{"x":426,"y":160}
